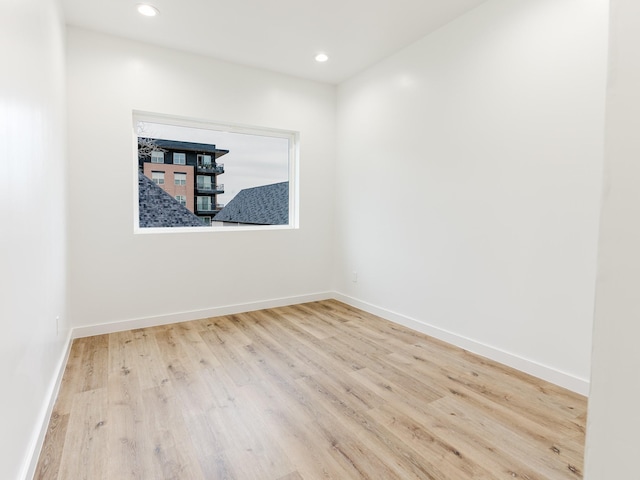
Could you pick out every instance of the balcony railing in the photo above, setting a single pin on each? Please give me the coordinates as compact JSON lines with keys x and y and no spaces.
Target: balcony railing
{"x":201,"y":188}
{"x":205,"y":209}
{"x":209,"y":208}
{"x":211,"y":168}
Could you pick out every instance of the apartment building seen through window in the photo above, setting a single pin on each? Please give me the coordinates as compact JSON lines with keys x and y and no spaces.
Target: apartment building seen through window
{"x":221,"y":177}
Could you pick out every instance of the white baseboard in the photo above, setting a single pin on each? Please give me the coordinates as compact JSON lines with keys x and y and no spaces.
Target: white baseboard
{"x":144,"y":322}
{"x":552,"y":375}
{"x":33,"y":452}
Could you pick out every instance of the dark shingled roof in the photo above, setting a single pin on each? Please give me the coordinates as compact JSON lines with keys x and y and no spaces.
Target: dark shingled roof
{"x":159,"y":209}
{"x":266,"y":205}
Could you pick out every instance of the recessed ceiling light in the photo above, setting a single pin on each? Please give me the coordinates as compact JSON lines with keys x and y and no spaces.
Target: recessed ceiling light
{"x":147,"y":10}
{"x":322,"y":57}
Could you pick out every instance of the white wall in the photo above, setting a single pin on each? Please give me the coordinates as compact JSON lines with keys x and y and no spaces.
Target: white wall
{"x":469,"y":171}
{"x":32,"y":215}
{"x":614,"y":421}
{"x":118,"y":276}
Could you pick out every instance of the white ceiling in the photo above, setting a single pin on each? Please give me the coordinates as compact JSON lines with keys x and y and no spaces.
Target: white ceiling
{"x":279,"y":35}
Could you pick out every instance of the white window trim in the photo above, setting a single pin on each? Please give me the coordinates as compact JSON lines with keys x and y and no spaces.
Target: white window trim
{"x":152,"y":157}
{"x":184,"y":157}
{"x":294,"y":158}
{"x":182,"y":181}
{"x":160,"y":180}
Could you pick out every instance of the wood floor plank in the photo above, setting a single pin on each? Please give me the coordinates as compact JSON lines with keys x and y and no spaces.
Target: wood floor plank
{"x":511,"y":441}
{"x":148,"y":362}
{"x":314,"y":391}
{"x":307,"y":347}
{"x":173,"y":454}
{"x":436,"y":451}
{"x":308,"y":444}
{"x":84,"y":454}
{"x":467,"y":441}
{"x":194,"y":347}
{"x":480,"y":385}
{"x":72,"y":378}
{"x":126,"y":439}
{"x":94,"y":362}
{"x":228,"y":347}
{"x":51,"y":454}
{"x":309,"y":321}
{"x":264,"y":345}
{"x":374,"y":450}
{"x":291,"y":476}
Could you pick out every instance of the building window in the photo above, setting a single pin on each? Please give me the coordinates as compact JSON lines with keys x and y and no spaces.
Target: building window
{"x":180,"y":178}
{"x":203,"y":182}
{"x":206,"y":221}
{"x":204,"y":159}
{"x":158,"y":177}
{"x":157,"y":157}
{"x":179,"y":158}
{"x":182,"y":199}
{"x":204,"y":204}
{"x":240,"y":176}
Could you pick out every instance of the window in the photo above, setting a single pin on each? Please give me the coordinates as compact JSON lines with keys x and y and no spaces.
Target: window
{"x":206,"y":220}
{"x":204,"y":204}
{"x":182,"y":199}
{"x":157,"y":157}
{"x":242,"y":177}
{"x":180,"y":178}
{"x":203,"y":182}
{"x":179,"y":158}
{"x":158,"y":177}
{"x":204,"y":159}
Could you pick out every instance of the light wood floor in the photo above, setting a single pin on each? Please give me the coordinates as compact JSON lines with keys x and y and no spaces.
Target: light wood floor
{"x":319,"y":390}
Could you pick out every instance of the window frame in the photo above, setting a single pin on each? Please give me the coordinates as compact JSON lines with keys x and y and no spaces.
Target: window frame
{"x":202,"y":184}
{"x":201,"y":157}
{"x":182,"y":181}
{"x":292,"y":136}
{"x":209,"y":203}
{"x":184,"y":158}
{"x":161,"y":181}
{"x":152,"y":157}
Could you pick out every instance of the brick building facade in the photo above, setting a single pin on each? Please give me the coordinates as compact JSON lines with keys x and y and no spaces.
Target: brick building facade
{"x":187,"y":171}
